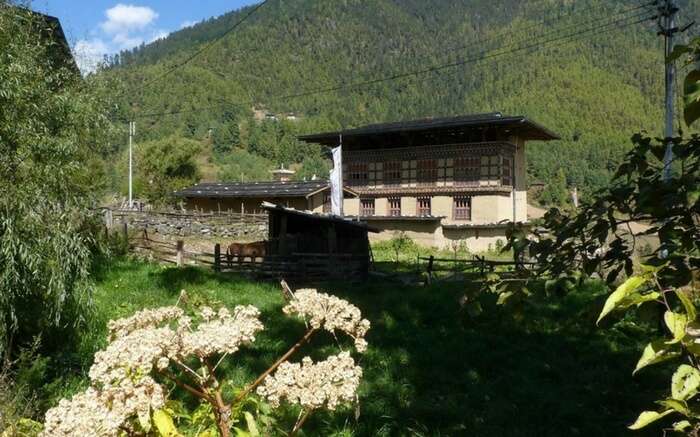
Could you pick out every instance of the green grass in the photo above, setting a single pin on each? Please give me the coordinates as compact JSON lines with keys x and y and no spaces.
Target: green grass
{"x":430,"y":369}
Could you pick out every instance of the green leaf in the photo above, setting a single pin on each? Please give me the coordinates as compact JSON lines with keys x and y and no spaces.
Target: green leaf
{"x":164,"y":424}
{"x":676,"y":405}
{"x":503,"y":297}
{"x":685,"y":382}
{"x":656,"y":352}
{"x":241,"y":432}
{"x":690,"y":309}
{"x":252,"y":426}
{"x":628,"y":287}
{"x":691,"y":111}
{"x":676,"y":323}
{"x":648,"y":417}
{"x":678,"y":51}
{"x":681,"y":426}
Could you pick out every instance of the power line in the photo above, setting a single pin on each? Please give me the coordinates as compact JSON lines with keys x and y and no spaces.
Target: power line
{"x":451,"y":64}
{"x":205,"y":48}
{"x":485,"y":55}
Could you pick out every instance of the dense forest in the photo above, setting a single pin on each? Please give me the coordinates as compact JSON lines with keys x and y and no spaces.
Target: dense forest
{"x":591,"y":70}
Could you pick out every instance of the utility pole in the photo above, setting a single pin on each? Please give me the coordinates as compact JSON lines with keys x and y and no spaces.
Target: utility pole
{"x":132,"y":132}
{"x":668,"y":12}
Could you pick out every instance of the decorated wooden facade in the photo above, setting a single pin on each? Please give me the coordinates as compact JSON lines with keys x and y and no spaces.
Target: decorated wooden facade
{"x":442,"y":181}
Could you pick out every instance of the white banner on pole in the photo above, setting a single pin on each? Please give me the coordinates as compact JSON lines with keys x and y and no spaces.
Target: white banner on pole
{"x":337,"y":181}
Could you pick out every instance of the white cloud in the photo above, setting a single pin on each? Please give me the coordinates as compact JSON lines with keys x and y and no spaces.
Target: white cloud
{"x":123,"y":18}
{"x":125,"y":41}
{"x":89,"y":54}
{"x":188,"y":23}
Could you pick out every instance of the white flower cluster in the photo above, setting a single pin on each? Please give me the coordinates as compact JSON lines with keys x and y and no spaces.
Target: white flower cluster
{"x":314,"y":385}
{"x":330,"y":313}
{"x":122,"y":386}
{"x":223,"y":332}
{"x":143,"y":319}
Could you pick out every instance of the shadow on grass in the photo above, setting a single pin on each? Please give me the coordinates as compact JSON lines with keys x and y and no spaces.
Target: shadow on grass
{"x":431,"y":371}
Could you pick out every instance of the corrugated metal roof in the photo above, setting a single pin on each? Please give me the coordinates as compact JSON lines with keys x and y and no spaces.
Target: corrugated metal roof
{"x":322,"y":217}
{"x":254,"y":189}
{"x":517,"y":124}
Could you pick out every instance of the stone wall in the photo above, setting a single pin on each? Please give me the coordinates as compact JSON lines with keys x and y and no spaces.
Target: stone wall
{"x":234,"y":225}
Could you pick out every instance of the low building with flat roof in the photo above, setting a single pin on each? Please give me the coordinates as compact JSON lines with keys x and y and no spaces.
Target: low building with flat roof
{"x":247,"y":197}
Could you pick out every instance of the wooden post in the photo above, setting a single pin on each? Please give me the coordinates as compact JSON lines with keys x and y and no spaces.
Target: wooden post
{"x":180,"y":259}
{"x":283,"y":235}
{"x":430,"y":268}
{"x":126,"y":232}
{"x":217,"y":257}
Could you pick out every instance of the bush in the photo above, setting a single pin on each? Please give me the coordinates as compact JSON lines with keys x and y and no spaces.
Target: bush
{"x":173,"y":359}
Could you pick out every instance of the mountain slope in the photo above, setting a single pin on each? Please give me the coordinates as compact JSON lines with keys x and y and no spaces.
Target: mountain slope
{"x":595,"y":89}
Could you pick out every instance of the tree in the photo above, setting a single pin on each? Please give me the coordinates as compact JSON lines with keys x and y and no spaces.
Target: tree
{"x":226,"y":137}
{"x":556,"y":192}
{"x":50,"y":127}
{"x":164,"y":166}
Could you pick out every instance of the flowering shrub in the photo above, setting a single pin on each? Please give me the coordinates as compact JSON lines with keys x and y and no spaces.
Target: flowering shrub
{"x":128,"y":395}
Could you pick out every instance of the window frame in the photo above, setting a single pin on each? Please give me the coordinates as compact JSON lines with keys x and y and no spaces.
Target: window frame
{"x":421,"y":209}
{"x":462,"y":208}
{"x":393,"y":209}
{"x":367,"y":207}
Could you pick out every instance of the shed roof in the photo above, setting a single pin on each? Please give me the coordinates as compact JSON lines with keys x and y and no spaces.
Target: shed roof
{"x":325,"y":218}
{"x":256,"y":189}
{"x":430,"y":131}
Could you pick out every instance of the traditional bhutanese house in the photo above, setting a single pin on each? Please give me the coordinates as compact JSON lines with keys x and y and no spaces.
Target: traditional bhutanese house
{"x":247,"y":197}
{"x":440,"y":180}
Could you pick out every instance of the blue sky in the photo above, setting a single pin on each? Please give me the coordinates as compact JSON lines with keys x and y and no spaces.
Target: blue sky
{"x":98,"y":27}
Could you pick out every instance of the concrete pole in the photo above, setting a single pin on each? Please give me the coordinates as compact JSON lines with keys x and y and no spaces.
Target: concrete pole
{"x":132,"y":132}
{"x":670,"y":12}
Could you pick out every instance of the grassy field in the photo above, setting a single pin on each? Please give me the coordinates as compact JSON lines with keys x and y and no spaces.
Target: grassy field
{"x":430,"y":369}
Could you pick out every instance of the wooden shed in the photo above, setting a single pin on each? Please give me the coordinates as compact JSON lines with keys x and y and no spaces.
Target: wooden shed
{"x":327,"y":243}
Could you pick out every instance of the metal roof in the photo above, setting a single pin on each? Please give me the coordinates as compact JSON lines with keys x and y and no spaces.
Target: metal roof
{"x":432,"y":131}
{"x":328,"y":218}
{"x":266,"y":189}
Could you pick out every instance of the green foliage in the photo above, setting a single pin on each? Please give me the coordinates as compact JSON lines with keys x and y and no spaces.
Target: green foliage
{"x":599,"y":240}
{"x":407,"y":387}
{"x":594,"y":91}
{"x":164,"y":166}
{"x":556,"y":191}
{"x":51,"y":130}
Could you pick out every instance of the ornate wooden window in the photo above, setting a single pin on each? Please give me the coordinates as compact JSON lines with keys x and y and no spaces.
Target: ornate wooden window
{"x":462,"y":208}
{"x":427,"y":172}
{"x":423,"y":207}
{"x":507,"y":178}
{"x":467,"y":171}
{"x":392,"y":173}
{"x":491,"y":169}
{"x":358,"y":173}
{"x":394,"y":206}
{"x":374,"y":173}
{"x":409,"y":171}
{"x":366,"y":207}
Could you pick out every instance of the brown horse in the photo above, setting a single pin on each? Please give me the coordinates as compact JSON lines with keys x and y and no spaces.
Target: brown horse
{"x":242,"y":250}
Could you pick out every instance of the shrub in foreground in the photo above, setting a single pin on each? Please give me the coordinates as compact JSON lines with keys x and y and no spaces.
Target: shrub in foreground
{"x":154,"y":351}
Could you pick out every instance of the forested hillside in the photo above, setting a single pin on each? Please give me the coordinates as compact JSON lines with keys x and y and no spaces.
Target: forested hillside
{"x":589,"y":70}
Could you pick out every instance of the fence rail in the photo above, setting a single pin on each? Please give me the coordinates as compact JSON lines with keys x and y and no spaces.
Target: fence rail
{"x":476,"y":264}
{"x":304,"y":266}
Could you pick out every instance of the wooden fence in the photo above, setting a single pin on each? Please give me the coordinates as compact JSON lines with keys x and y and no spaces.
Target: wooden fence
{"x":300,"y":266}
{"x":477,"y":264}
